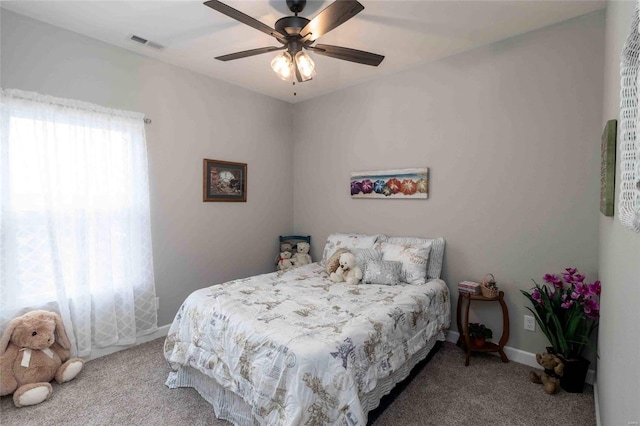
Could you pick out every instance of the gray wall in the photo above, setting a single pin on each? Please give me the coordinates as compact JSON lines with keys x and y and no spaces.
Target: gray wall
{"x":510,"y":133}
{"x":618,"y":376}
{"x":195,"y":244}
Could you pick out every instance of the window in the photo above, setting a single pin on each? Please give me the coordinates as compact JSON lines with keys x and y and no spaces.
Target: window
{"x":75,"y":230}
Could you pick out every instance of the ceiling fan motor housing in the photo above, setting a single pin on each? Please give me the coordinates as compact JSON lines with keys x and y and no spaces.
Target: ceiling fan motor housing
{"x":291,"y":25}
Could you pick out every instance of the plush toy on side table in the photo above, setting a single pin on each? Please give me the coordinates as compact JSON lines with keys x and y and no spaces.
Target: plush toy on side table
{"x":553,"y":370}
{"x":348,"y":271}
{"x":302,"y":256}
{"x":33,"y":351}
{"x":284,"y":262}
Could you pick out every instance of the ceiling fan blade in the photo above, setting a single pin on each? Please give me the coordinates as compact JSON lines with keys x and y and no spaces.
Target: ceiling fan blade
{"x":335,"y":14}
{"x":346,"y":54}
{"x":245,"y":19}
{"x":247,"y":53}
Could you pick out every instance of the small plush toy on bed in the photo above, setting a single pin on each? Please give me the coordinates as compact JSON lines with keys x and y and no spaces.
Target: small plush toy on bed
{"x":33,"y":351}
{"x":284,"y":262}
{"x":348,"y":271}
{"x":302,"y":256}
{"x":284,"y":246}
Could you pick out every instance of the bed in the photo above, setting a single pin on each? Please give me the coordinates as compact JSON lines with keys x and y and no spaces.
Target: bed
{"x":293,"y":348}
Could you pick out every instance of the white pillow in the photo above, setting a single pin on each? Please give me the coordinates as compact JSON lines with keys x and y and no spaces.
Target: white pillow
{"x":347,"y":241}
{"x":436,"y":255}
{"x":365,"y":255}
{"x":414,"y":260}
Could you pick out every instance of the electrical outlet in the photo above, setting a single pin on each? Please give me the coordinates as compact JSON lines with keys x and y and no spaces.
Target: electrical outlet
{"x":633,"y":423}
{"x":529,"y":323}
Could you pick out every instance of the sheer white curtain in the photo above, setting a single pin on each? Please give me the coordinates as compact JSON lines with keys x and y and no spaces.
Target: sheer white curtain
{"x":75,"y":233}
{"x":629,"y":157}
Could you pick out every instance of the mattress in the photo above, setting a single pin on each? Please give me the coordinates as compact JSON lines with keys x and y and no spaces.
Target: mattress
{"x":294,"y":348}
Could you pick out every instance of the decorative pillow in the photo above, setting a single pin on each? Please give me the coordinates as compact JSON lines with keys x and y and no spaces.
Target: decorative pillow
{"x":334,"y":261}
{"x":365,"y":255}
{"x":414,"y":260}
{"x":436,"y":255}
{"x":347,"y":241}
{"x":382,"y":272}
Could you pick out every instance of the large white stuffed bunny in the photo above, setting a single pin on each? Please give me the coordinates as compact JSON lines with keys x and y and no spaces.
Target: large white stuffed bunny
{"x":348,"y":271}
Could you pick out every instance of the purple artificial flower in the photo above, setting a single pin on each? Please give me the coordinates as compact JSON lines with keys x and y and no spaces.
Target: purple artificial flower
{"x":552,"y":279}
{"x":595,"y":288}
{"x":591,"y":308}
{"x":578,"y":278}
{"x":535,"y":295}
{"x":568,"y":274}
{"x":592,"y":304}
{"x":567,"y":304}
{"x":575,"y":295}
{"x":582,"y":289}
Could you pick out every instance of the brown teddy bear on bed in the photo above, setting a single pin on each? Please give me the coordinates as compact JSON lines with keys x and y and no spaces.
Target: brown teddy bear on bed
{"x":33,"y":351}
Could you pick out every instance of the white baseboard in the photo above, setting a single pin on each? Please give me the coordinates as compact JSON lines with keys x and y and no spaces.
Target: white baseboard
{"x":597,"y":403}
{"x":100,"y":352}
{"x":519,"y":356}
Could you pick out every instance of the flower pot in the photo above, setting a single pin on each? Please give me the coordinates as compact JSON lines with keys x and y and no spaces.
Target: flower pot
{"x":479,"y":342}
{"x":575,"y":373}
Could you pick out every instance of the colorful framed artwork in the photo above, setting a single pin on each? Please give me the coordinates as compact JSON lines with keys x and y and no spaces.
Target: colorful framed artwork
{"x":400,"y":184}
{"x":224,"y":181}
{"x":608,"y":167}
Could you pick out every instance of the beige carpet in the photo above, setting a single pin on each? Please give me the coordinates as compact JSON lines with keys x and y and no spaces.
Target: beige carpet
{"x":127,"y":388}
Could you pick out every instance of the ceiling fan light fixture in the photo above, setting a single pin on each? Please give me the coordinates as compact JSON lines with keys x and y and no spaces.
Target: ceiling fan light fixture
{"x":283,"y":66}
{"x":305,"y":65}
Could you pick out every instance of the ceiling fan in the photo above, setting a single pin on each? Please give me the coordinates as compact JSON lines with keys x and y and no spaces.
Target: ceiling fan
{"x":296,"y":33}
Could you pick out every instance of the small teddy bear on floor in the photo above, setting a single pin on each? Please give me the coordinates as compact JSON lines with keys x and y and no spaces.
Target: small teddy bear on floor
{"x":348,"y":271}
{"x":553,"y":370}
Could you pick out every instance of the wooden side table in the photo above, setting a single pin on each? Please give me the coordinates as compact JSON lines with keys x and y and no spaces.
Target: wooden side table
{"x":464,"y":340}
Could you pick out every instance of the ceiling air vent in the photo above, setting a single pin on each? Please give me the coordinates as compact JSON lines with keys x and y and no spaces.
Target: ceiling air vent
{"x":146,"y":42}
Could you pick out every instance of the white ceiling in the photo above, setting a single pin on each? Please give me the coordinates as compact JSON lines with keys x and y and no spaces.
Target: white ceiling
{"x":406,"y":32}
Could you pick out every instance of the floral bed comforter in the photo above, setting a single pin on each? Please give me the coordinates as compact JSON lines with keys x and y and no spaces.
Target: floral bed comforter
{"x":300,"y":349}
